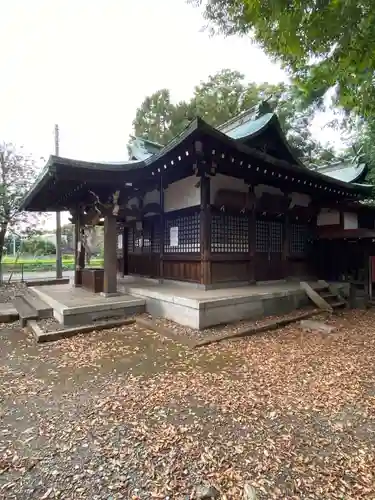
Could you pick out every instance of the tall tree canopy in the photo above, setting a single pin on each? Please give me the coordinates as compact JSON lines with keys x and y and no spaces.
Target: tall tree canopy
{"x":326,"y":44}
{"x":222,"y":97}
{"x":17,"y":173}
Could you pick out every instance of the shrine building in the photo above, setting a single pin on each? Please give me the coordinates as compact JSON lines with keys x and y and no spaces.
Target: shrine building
{"x":216,"y":207}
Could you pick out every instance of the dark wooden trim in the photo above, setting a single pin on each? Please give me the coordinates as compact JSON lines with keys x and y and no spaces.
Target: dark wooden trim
{"x":182,"y":211}
{"x":110,"y":255}
{"x":269,"y":216}
{"x":125,"y":252}
{"x":182,"y":256}
{"x":162,"y":227}
{"x":81,"y":252}
{"x":219,"y":257}
{"x":77,"y":234}
{"x":252,"y":234}
{"x":286,"y":244}
{"x":341,"y":215}
{"x":205,"y":230}
{"x":338,"y":233}
{"x":297,"y":257}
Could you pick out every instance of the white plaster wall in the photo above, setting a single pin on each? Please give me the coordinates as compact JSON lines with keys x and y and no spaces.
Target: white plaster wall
{"x":350,"y":220}
{"x":132,"y":202}
{"x":182,"y":194}
{"x":151,"y":197}
{"x":264,"y":188}
{"x":327,"y":217}
{"x":220,"y":181}
{"x":300,"y":200}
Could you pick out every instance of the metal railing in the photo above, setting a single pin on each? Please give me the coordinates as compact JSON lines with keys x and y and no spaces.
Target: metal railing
{"x":36,"y":269}
{"x":30,"y":270}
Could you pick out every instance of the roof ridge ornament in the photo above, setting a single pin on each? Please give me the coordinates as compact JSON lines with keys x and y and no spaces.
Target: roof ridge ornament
{"x":263,"y":108}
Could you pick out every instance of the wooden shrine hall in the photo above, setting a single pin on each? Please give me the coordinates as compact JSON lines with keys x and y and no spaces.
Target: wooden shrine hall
{"x":214,"y":207}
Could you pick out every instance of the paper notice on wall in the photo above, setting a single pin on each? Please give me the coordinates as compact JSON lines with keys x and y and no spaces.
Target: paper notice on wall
{"x":119,"y":241}
{"x":173,"y":237}
{"x":79,"y":246}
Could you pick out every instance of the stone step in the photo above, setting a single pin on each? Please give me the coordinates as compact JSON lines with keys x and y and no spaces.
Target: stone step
{"x":315,"y":297}
{"x":338,"y":303}
{"x":43,"y":309}
{"x":24,"y":309}
{"x":327,"y":295}
{"x":324,"y":296}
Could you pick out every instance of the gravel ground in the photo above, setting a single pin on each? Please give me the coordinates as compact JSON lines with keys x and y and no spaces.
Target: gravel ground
{"x":8,"y":292}
{"x":50,"y":325}
{"x":125,"y":414}
{"x":219,"y":330}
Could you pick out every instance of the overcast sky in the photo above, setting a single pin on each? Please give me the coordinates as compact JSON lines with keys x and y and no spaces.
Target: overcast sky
{"x":88,"y":64}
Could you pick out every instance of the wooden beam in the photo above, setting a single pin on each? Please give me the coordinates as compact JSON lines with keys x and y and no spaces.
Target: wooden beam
{"x":77,"y":236}
{"x":252,"y":233}
{"x":286,"y":245}
{"x":205,"y":230}
{"x":162,"y":227}
{"x":110,"y":255}
{"x":125,"y":252}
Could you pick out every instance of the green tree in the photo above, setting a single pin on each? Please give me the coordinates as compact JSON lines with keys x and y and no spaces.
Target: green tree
{"x":325,"y":45}
{"x":158,"y":120}
{"x":222,"y":97}
{"x":17,"y":173}
{"x":38,"y":246}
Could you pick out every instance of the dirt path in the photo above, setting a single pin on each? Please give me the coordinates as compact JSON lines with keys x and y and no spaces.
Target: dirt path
{"x":126,"y":414}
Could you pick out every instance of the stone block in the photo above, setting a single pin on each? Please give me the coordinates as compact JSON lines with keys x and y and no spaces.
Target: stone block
{"x":316,"y":326}
{"x":278,"y":305}
{"x":230,"y":313}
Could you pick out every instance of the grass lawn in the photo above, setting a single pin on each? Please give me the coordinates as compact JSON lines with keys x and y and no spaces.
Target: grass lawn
{"x":30,"y":264}
{"x":126,"y":414}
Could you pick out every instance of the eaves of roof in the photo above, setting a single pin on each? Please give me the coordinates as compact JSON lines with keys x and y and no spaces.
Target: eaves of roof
{"x":197,"y":125}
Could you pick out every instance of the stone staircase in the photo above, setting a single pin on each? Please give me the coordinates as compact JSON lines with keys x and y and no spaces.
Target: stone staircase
{"x":324,"y":296}
{"x":30,"y":306}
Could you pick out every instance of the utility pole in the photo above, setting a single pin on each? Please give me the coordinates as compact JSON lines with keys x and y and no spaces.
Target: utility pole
{"x":58,"y":216}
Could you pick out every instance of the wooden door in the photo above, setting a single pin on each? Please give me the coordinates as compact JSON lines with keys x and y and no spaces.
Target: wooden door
{"x":268,"y":263}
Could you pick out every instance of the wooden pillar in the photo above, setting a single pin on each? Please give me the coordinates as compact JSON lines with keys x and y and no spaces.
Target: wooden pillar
{"x":125,"y":251}
{"x":77,"y":236}
{"x":205,"y":230}
{"x":286,"y":245}
{"x":252,"y":232}
{"x":162,"y":227}
{"x":110,"y":255}
{"x":79,"y":254}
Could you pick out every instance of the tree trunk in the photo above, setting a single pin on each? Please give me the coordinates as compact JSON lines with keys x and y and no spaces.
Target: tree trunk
{"x":3,"y":230}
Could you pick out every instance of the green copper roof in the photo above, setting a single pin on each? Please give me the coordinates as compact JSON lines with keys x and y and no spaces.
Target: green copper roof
{"x":140,"y":148}
{"x":251,"y":127}
{"x":345,"y":171}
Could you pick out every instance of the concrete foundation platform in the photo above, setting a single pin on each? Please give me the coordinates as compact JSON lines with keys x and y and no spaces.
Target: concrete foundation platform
{"x":200,"y":309}
{"x":75,"y":306}
{"x":8,"y":313}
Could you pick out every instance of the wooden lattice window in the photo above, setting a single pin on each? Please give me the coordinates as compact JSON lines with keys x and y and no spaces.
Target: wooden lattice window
{"x":229,"y":233}
{"x":299,"y":238}
{"x":262,"y":236}
{"x":147,"y":236}
{"x":276,"y":236}
{"x":138,"y":239}
{"x":268,"y":236}
{"x":155,"y":241}
{"x":131,"y":240}
{"x":187,"y":234}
